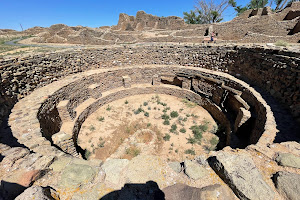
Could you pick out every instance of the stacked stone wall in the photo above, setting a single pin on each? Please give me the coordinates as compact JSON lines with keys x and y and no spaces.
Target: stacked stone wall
{"x":276,"y":71}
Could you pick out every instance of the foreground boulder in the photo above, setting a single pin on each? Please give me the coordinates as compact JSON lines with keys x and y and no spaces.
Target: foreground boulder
{"x":288,"y":184}
{"x":194,"y":170}
{"x":35,"y":192}
{"x":241,"y":174}
{"x":181,"y":191}
{"x":288,"y":160}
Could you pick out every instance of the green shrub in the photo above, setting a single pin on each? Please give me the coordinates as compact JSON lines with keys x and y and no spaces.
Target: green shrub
{"x":108,"y":108}
{"x":166,"y":122}
{"x":133,"y":151}
{"x":281,"y":43}
{"x":174,"y":114}
{"x":101,"y":144}
{"x":165,"y":117}
{"x":145,"y":103}
{"x":188,"y":103}
{"x":190,"y":151}
{"x":100,"y":119}
{"x":174,"y":126}
{"x":167,"y":137}
{"x":126,"y":102}
{"x":92,"y":128}
{"x":191,"y":140}
{"x":203,"y":127}
{"x":182,"y":130}
{"x":146,"y":114}
{"x":87,"y":154}
{"x":149,"y":124}
{"x":214,"y":141}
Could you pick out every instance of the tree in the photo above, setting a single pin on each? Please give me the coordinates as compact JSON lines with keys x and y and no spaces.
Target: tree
{"x":255,"y":4}
{"x":207,"y":11}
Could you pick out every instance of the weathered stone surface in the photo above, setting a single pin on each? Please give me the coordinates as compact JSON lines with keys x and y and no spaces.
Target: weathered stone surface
{"x":28,"y":177}
{"x":176,"y":166}
{"x":113,"y":168}
{"x":180,"y":191}
{"x":194,"y":170}
{"x":241,"y":174}
{"x":75,"y":175}
{"x":35,"y":192}
{"x":145,"y":168}
{"x":288,"y":184}
{"x":60,"y":164}
{"x":288,"y":160}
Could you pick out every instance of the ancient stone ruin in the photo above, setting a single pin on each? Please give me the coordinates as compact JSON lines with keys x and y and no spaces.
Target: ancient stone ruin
{"x":251,"y":92}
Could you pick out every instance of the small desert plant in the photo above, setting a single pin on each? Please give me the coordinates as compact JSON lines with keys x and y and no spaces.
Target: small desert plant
{"x":145,"y":103}
{"x":165,"y":117}
{"x":166,"y":122}
{"x":188,"y":103}
{"x":149,"y":108}
{"x":281,"y":43}
{"x":203,"y":127}
{"x":133,"y":151}
{"x":101,"y":144}
{"x":191,"y":140}
{"x":167,"y":137}
{"x":194,"y":116}
{"x":100,"y":119}
{"x":190,"y":151}
{"x":92,"y":128}
{"x":182,"y":130}
{"x":173,"y":128}
{"x":174,"y":114}
{"x":149,"y":124}
{"x":214,"y":141}
{"x":108,"y":108}
{"x":126,"y":102}
{"x":87,"y":154}
{"x":146,"y":114}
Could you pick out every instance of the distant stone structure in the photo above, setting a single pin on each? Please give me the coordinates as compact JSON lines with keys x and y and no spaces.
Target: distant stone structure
{"x":144,"y":21}
{"x":252,"y":26}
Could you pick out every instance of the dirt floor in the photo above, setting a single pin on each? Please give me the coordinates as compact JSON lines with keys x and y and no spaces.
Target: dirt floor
{"x":148,"y":124}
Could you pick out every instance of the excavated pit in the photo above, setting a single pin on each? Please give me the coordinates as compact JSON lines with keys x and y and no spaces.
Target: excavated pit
{"x":240,"y":115}
{"x":61,"y":95}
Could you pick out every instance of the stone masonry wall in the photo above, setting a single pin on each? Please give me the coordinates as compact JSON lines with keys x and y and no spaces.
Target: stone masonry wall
{"x":276,"y":71}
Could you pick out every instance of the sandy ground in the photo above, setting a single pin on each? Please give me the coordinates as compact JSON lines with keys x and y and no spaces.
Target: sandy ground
{"x":122,"y":130}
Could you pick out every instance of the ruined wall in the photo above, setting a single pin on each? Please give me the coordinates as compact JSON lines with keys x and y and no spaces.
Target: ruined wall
{"x":253,"y":26}
{"x":276,"y":71}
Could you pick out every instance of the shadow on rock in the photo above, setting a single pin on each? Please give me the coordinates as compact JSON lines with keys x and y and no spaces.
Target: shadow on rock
{"x":148,"y":191}
{"x":10,"y":191}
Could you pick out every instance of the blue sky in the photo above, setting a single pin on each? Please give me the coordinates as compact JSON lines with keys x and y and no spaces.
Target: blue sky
{"x":90,"y":13}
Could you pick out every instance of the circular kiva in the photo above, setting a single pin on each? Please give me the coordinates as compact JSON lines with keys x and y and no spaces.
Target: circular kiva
{"x":48,"y":120}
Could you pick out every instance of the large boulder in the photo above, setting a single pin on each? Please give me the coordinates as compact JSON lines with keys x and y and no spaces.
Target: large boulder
{"x":288,"y":160}
{"x":241,"y":174}
{"x":288,"y":184}
{"x":194,"y":170}
{"x":35,"y":192}
{"x":113,"y":169}
{"x":180,"y":191}
{"x":75,"y":175}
